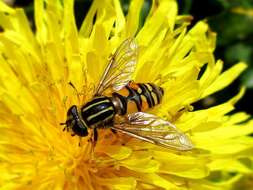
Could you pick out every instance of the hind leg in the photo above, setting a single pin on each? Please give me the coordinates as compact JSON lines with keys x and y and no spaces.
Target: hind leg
{"x":93,"y":140}
{"x":114,"y":131}
{"x":95,"y":136}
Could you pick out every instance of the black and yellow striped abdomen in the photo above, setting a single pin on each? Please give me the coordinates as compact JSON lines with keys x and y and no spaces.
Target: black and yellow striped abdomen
{"x":138,"y":97}
{"x":98,"y":112}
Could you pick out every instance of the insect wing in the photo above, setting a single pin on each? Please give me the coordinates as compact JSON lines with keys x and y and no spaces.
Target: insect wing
{"x":155,"y":130}
{"x":120,"y":68}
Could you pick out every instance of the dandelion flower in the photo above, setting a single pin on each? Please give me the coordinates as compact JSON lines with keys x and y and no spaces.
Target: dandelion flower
{"x":35,"y":70}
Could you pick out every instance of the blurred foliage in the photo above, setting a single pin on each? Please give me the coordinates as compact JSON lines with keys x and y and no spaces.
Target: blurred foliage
{"x":231,"y":19}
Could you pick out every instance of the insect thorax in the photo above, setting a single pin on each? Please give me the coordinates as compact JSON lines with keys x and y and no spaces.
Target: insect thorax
{"x":98,"y":112}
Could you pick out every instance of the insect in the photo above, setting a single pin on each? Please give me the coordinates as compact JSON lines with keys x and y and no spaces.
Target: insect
{"x":129,"y":100}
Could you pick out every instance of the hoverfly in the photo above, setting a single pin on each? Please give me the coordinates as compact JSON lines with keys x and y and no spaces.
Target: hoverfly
{"x":129,"y":100}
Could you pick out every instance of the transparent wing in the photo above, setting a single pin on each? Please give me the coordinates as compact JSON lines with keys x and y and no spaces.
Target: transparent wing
{"x":120,"y":67}
{"x":155,"y":130}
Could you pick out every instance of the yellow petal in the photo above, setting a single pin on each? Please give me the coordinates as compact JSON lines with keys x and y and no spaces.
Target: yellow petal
{"x":229,"y":165}
{"x":141,"y":162}
{"x":116,"y":152}
{"x":224,"y":146}
{"x":133,"y":15}
{"x":159,"y":20}
{"x":225,"y":79}
{"x":183,"y":166}
{"x":118,"y":183}
{"x":5,"y":8}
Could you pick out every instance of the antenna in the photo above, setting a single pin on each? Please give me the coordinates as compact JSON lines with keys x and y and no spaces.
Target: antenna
{"x":76,"y":91}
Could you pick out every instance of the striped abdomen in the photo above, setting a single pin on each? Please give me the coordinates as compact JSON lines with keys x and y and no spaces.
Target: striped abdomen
{"x":98,"y":112}
{"x":137,"y":97}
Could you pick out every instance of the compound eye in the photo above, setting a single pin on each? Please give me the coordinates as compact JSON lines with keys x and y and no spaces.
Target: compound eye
{"x":71,"y":114}
{"x":72,"y":110}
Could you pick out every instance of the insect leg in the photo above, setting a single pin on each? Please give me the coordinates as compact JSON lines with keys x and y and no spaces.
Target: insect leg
{"x":80,"y":139}
{"x":113,"y":131}
{"x":95,"y":135}
{"x":180,"y":112}
{"x":93,"y":139}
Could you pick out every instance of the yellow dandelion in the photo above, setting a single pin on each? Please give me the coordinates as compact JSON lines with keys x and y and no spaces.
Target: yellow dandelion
{"x":35,"y":71}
